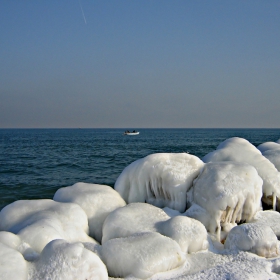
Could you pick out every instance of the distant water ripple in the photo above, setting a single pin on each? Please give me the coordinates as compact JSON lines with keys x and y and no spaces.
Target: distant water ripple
{"x":34,"y":163}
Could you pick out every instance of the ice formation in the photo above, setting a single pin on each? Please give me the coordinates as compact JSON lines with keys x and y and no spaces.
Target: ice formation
{"x":141,"y":255}
{"x":228,"y":191}
{"x":137,"y":218}
{"x":235,"y":266}
{"x":96,"y":200}
{"x":37,"y":222}
{"x":256,"y":238}
{"x":268,"y":146}
{"x":159,"y":179}
{"x":241,"y":150}
{"x":132,"y":219}
{"x":270,"y":218}
{"x":62,"y":260}
{"x":12,"y":264}
{"x":271,"y":151}
{"x":190,"y":234}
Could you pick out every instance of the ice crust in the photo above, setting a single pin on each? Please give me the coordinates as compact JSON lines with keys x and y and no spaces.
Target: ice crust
{"x":271,"y":151}
{"x":37,"y":222}
{"x":137,"y":218}
{"x":268,"y":146}
{"x":159,"y":179}
{"x":141,"y":255}
{"x":270,"y":218}
{"x":241,"y":150}
{"x":48,"y":239}
{"x":256,"y":238}
{"x":96,"y":200}
{"x":230,"y":192}
{"x":12,"y":264}
{"x":62,"y":260}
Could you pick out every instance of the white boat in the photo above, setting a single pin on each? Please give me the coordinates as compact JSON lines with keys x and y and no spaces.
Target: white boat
{"x":131,"y":133}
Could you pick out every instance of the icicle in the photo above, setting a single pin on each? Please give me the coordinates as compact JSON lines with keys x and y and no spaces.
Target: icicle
{"x":229,"y":215}
{"x":274,"y":201}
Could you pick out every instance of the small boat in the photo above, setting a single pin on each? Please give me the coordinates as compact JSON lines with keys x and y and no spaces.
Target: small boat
{"x":131,"y":133}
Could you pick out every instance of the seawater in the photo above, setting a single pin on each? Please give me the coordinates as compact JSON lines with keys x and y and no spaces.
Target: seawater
{"x":34,"y":163}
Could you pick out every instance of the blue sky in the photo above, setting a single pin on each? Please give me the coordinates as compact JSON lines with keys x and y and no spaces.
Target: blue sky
{"x":139,"y":63}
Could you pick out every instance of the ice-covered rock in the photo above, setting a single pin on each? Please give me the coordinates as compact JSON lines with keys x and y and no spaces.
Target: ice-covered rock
{"x":274,"y":157}
{"x":269,"y":218}
{"x":12,"y":264}
{"x":255,"y":238}
{"x":37,"y":222}
{"x":131,"y":219}
{"x":189,"y":233}
{"x":66,"y":261}
{"x":137,"y":218}
{"x":141,"y":255}
{"x":96,"y":200}
{"x":200,"y":214}
{"x":268,"y":146}
{"x":271,"y":150}
{"x":13,"y":241}
{"x":241,"y":150}
{"x":159,"y":179}
{"x":228,"y":191}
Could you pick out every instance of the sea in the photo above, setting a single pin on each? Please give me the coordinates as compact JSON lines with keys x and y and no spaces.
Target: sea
{"x":35,"y":163}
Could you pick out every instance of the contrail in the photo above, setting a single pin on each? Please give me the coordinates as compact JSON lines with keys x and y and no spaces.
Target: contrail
{"x":83,"y":12}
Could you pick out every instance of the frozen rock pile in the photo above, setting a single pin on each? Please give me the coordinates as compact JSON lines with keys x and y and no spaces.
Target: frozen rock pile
{"x":169,"y":216}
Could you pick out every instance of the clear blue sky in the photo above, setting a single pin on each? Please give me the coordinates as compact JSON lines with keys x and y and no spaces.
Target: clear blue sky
{"x":139,"y":63}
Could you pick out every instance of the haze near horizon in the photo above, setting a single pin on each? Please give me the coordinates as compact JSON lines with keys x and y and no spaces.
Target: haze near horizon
{"x":140,"y":64}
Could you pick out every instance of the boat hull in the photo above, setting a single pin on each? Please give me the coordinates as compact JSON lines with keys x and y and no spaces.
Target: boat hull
{"x":131,"y":133}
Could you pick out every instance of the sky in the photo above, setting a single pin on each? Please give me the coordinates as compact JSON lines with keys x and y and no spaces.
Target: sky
{"x":140,"y":64}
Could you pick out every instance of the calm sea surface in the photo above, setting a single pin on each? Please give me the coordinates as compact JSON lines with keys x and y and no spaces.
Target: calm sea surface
{"x":34,"y":163}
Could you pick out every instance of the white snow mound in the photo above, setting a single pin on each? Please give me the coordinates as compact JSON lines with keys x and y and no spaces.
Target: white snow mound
{"x":66,"y":261}
{"x":270,"y":218}
{"x":159,"y":179}
{"x":12,"y":264}
{"x":137,"y":218}
{"x":241,"y":150}
{"x":228,"y":191}
{"x":271,"y":151}
{"x":37,"y":222}
{"x":96,"y":200}
{"x":268,"y":146}
{"x":255,"y":238}
{"x":141,"y":255}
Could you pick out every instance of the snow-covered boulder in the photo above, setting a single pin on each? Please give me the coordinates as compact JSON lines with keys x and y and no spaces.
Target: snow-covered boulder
{"x":228,"y":191}
{"x":37,"y":222}
{"x":189,"y":233}
{"x":241,"y":150}
{"x":274,"y":157}
{"x":13,"y":241}
{"x":255,"y":238}
{"x":131,"y":219}
{"x":96,"y":200}
{"x":200,"y":214}
{"x":159,"y":179}
{"x":269,"y":218}
{"x":12,"y":264}
{"x":67,"y":261}
{"x":136,"y":218}
{"x":271,"y":150}
{"x":141,"y":255}
{"x":268,"y":146}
